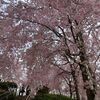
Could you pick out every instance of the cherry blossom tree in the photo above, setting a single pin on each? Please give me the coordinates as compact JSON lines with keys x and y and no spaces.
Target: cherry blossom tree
{"x":60,"y":35}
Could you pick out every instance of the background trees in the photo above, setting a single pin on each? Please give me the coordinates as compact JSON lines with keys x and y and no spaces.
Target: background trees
{"x":47,"y":39}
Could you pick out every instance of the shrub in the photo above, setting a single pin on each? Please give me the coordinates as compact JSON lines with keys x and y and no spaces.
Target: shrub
{"x":43,"y":94}
{"x":51,"y":97}
{"x":43,"y":90}
{"x":3,"y":85}
{"x":7,"y":85}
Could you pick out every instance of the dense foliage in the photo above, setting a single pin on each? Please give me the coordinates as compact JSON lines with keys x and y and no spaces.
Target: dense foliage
{"x":53,"y":42}
{"x":43,"y":94}
{"x":43,"y":90}
{"x":51,"y":97}
{"x":7,"y":85}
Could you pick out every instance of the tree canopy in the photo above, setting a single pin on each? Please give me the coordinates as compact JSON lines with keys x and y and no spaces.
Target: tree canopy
{"x":52,"y":42}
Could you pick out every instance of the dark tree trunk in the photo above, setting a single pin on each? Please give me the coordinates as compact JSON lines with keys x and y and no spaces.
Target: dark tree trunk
{"x":73,"y":72}
{"x":90,"y":94}
{"x":76,"y":90}
{"x":70,"y":90}
{"x":75,"y":83}
{"x":70,"y":87}
{"x":87,"y":74}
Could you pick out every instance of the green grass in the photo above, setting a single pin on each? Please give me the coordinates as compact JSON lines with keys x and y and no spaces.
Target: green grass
{"x":51,"y":97}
